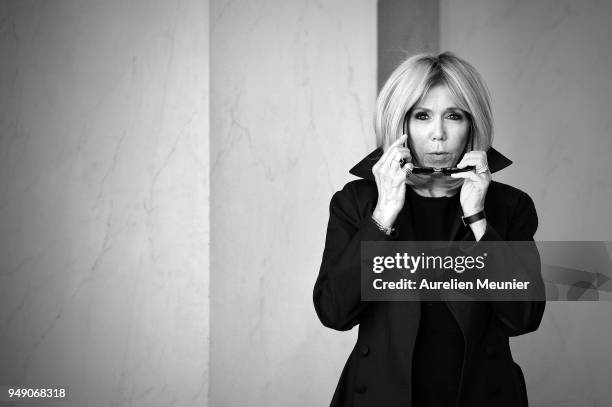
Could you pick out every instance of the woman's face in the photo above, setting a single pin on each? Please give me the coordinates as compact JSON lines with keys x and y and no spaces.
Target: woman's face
{"x":438,"y":130}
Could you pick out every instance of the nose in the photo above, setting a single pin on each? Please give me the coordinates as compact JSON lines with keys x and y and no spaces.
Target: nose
{"x":438,"y":132}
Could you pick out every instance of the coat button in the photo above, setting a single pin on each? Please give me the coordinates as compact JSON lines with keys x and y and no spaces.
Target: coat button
{"x":360,"y":388}
{"x":490,"y":350}
{"x":364,"y":350}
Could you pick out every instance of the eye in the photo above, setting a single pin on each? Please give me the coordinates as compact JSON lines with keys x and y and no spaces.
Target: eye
{"x":421,"y":116}
{"x":455,"y":116}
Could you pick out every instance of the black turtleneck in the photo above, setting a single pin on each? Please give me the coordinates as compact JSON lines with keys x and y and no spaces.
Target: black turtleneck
{"x":438,"y":354}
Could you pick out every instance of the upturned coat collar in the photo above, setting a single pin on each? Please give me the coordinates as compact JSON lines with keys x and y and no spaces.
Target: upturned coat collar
{"x":363,"y":169}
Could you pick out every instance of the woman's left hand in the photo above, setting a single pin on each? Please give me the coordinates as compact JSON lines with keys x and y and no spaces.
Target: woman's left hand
{"x":476,"y":182}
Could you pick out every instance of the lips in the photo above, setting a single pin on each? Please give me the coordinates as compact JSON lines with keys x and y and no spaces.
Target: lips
{"x":438,"y":158}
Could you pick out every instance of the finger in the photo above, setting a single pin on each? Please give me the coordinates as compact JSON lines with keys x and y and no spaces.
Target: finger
{"x":392,"y":147}
{"x":475,"y":158}
{"x":394,"y":157}
{"x":405,"y":155}
{"x":395,"y":160}
{"x":407,"y":169}
{"x":400,"y":140}
{"x":467,"y":161}
{"x":471,"y":175}
{"x":404,"y":151}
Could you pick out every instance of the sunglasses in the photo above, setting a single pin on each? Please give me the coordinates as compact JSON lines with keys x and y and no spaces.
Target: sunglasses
{"x":429,"y":170}
{"x":443,"y":171}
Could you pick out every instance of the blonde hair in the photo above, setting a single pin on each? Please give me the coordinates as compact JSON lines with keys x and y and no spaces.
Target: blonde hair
{"x":412,"y":79}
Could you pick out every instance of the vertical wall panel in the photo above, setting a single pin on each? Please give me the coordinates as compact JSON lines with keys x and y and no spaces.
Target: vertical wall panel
{"x":293,"y":89}
{"x":104,"y":181}
{"x":548,"y":65}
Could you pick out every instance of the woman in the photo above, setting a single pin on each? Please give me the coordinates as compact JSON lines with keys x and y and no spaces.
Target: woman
{"x":427,"y":353}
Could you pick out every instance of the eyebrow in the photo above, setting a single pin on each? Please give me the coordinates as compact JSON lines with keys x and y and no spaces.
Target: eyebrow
{"x":429,"y":110}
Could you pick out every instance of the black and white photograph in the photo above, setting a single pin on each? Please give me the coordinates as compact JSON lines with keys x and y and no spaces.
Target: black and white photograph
{"x":344,"y":203}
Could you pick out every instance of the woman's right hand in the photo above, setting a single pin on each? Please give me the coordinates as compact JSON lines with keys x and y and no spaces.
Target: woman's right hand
{"x":391,"y":182}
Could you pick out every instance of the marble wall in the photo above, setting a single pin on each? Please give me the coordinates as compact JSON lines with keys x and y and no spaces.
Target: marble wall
{"x":547,"y":63}
{"x":293,"y":88}
{"x":104,"y":199}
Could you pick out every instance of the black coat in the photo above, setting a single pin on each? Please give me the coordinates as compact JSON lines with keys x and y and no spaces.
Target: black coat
{"x":378,"y":370}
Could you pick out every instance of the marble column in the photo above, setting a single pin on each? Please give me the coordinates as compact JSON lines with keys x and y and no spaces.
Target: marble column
{"x":104,"y":200}
{"x":293,"y":90}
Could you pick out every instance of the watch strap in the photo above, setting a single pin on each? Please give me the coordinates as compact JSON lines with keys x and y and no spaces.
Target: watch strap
{"x":468,"y":220}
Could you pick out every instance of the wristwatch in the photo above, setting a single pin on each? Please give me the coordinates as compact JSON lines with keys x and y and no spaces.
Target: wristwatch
{"x":468,"y":220}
